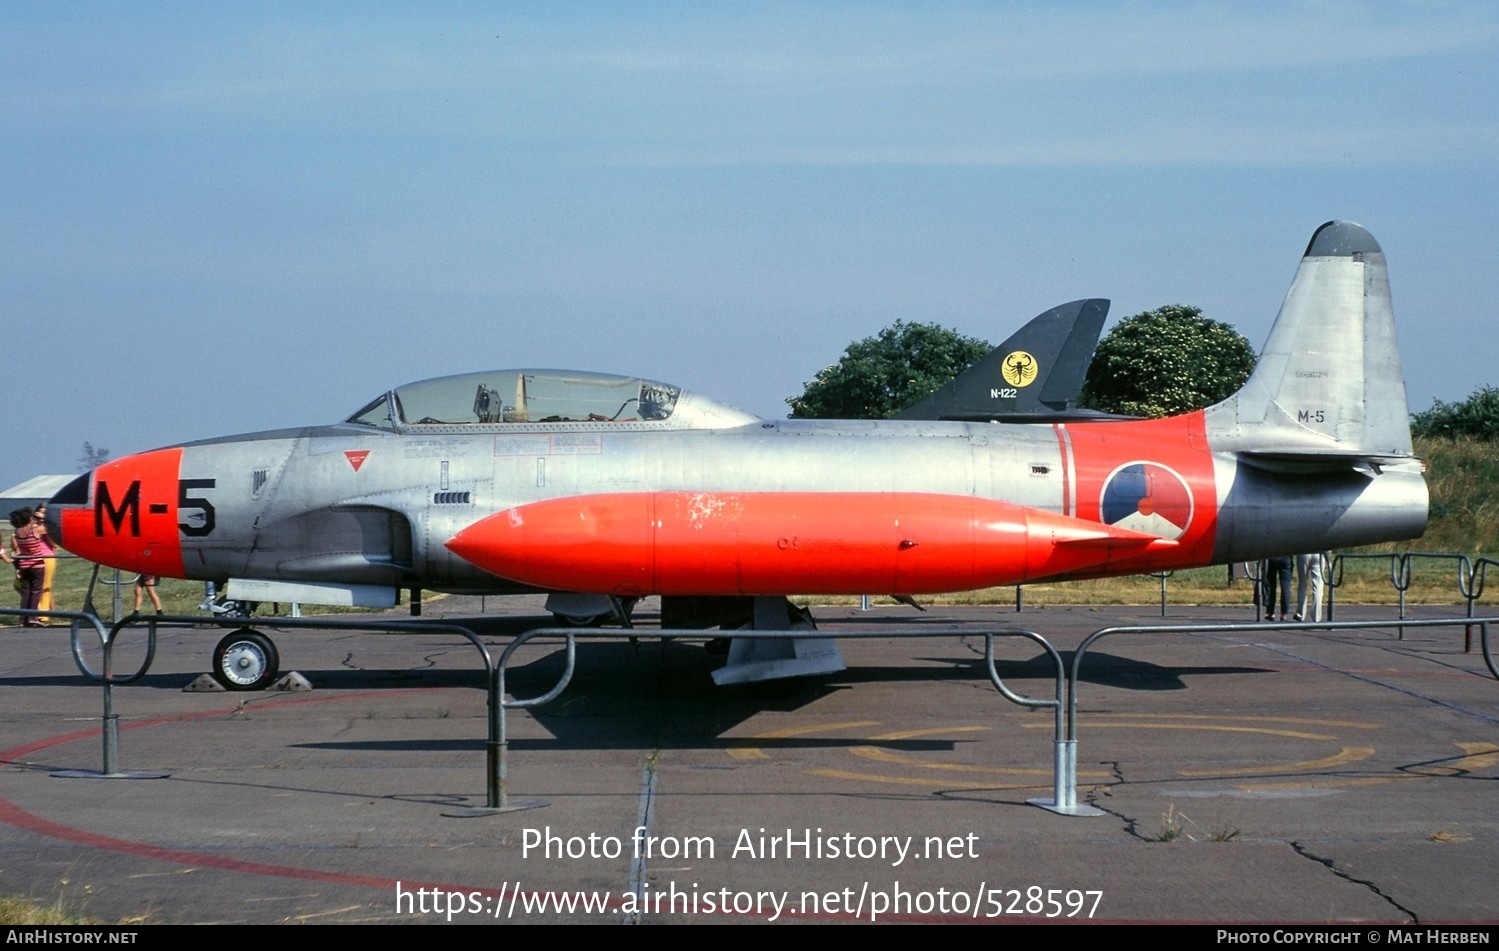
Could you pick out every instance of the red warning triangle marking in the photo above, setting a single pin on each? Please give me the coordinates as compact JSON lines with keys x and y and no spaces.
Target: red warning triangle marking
{"x":356,"y":457}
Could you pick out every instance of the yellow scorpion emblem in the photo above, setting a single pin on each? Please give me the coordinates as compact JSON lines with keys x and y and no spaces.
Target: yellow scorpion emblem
{"x":1019,"y":368}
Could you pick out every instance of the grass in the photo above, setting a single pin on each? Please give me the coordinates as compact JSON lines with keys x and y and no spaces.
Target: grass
{"x":23,"y":911}
{"x":1171,"y":825}
{"x":1461,"y":474}
{"x":71,"y":582}
{"x":1174,"y":826}
{"x":1363,"y":581}
{"x":1224,"y":833}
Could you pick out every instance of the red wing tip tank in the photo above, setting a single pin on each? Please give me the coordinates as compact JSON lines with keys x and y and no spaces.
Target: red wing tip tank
{"x":765,"y":543}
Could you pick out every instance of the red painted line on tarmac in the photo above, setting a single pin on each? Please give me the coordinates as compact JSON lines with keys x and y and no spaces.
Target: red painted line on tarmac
{"x":13,"y":815}
{"x":16,"y":752}
{"x":17,"y":817}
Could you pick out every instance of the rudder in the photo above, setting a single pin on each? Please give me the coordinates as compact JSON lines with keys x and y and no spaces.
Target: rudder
{"x":1329,"y":379}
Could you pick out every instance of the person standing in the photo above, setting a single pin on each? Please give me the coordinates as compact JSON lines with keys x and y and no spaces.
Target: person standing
{"x":49,"y":564}
{"x":146,"y":583}
{"x":1277,"y":575}
{"x":1311,"y":574}
{"x":29,"y":551}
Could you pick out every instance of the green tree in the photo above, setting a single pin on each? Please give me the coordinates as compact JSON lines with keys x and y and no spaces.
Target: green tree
{"x":93,"y":457}
{"x":883,"y":374}
{"x":1166,"y":361}
{"x":1477,"y":417}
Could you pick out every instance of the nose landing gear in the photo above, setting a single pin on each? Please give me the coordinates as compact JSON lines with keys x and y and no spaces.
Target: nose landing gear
{"x":245,"y":659}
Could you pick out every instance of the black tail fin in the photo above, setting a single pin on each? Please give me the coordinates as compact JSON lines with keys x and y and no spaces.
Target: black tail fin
{"x":1034,"y":376}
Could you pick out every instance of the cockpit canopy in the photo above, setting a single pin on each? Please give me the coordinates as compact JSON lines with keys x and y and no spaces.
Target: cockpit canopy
{"x":499,"y":397}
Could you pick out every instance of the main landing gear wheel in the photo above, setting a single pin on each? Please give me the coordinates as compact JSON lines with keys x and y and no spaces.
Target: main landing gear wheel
{"x":580,"y":620}
{"x":245,"y":660}
{"x":594,"y":620}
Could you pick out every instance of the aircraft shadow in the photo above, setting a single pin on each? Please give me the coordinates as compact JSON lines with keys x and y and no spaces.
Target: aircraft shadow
{"x":1112,"y":670}
{"x":661,"y":695}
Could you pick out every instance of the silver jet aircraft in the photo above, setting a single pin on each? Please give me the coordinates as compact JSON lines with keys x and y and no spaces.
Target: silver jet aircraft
{"x":523,"y":480}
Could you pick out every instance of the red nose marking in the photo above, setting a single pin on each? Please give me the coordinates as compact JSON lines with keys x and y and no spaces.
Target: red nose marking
{"x":133,"y":522}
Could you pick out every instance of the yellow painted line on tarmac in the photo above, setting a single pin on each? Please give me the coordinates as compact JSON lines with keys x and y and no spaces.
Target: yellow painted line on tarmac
{"x":1219,"y":728}
{"x":750,"y":748}
{"x":931,"y":731}
{"x":1303,"y":721}
{"x":1331,"y":783}
{"x":1477,"y":756}
{"x":1349,"y":754}
{"x":1480,"y":756}
{"x":913,"y":781}
{"x":885,"y":756}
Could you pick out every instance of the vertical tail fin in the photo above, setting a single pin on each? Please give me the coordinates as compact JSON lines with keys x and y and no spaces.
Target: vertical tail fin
{"x":1033,"y":376}
{"x":1328,"y":382}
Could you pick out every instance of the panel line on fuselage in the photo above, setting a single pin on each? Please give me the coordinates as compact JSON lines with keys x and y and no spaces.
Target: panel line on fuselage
{"x":1064,"y":452}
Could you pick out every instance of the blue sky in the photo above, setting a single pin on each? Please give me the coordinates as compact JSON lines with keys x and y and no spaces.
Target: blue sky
{"x":222,"y":218}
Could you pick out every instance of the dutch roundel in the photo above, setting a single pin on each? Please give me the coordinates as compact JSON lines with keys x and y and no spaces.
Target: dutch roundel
{"x":1149,"y":498}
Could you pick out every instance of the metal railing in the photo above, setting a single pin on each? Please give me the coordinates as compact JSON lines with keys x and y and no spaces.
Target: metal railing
{"x":1469,"y":579}
{"x":1063,"y":703}
{"x":497,"y":743}
{"x":1471,"y":576}
{"x":1070,"y":780}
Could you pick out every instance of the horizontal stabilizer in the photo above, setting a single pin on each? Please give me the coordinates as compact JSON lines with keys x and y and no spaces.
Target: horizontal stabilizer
{"x":1289,"y":462}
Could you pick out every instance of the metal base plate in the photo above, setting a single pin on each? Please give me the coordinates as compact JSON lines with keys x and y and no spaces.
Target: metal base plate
{"x":1081,"y":809}
{"x":474,"y":812}
{"x":95,"y":774}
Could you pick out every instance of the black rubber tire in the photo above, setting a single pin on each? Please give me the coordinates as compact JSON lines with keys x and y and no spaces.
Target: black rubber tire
{"x":245,"y":659}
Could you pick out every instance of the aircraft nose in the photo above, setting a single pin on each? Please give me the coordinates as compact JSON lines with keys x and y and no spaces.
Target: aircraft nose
{"x":124,"y":514}
{"x":72,"y":497}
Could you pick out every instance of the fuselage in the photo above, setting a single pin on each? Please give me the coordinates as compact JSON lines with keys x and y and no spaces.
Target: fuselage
{"x":737,"y":506}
